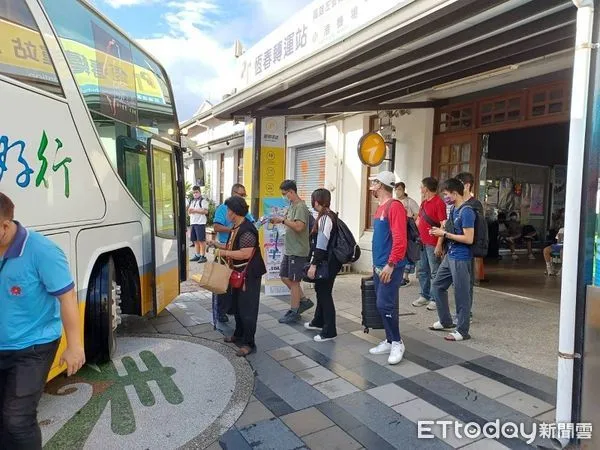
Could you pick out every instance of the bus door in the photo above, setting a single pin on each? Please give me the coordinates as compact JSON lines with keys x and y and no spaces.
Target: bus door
{"x":164,"y":223}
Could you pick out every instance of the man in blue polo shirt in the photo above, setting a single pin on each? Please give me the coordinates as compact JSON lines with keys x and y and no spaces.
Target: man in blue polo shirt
{"x":36,"y":292}
{"x":456,"y":267}
{"x":223,"y":228}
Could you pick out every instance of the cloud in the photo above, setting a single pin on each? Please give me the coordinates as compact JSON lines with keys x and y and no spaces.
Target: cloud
{"x":196,"y":44}
{"x":119,"y":3}
{"x":199,"y":66}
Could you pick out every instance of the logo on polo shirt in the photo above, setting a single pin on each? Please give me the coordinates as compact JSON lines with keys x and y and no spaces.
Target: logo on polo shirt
{"x":15,"y":290}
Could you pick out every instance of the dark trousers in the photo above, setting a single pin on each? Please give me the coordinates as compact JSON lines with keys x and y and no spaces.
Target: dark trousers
{"x":387,"y":303}
{"x":23,"y":375}
{"x":325,"y":310}
{"x":246,"y":304}
{"x":224,"y":303}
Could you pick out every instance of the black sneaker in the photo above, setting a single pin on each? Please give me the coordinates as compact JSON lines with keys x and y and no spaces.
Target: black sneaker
{"x":305,"y":305}
{"x":196,"y":258}
{"x":290,"y":317}
{"x":202,"y":260}
{"x":405,"y":283}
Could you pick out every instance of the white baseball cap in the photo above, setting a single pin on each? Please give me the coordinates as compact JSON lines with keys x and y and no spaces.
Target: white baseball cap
{"x":386,"y":178}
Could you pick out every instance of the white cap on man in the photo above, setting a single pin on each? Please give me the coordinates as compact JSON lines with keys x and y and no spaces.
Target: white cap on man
{"x":386,"y":178}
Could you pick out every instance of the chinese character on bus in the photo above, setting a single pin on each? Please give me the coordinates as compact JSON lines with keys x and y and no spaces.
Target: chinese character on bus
{"x":24,"y":51}
{"x":78,"y":63}
{"x":24,"y":177}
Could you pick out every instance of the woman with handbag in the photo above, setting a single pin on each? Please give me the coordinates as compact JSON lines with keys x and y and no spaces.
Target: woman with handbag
{"x":243,"y":255}
{"x":324,"y":266}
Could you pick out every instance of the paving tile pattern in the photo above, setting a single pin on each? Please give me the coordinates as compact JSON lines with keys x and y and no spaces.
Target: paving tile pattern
{"x":331,"y":395}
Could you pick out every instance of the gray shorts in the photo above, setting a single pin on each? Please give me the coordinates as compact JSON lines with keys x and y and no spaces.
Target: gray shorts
{"x":292,"y":267}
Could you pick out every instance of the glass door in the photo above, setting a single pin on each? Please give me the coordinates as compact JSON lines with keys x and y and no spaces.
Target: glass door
{"x":164,"y":224}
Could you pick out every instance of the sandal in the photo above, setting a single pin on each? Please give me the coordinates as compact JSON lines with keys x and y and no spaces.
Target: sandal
{"x":439,"y":327}
{"x":244,"y":351}
{"x":230,"y":339}
{"x":455,"y":336}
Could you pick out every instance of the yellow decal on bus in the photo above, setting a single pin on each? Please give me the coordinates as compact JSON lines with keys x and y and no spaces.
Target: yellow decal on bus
{"x":23,"y":53}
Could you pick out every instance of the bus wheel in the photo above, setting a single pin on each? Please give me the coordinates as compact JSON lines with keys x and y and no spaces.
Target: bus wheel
{"x":102,"y":312}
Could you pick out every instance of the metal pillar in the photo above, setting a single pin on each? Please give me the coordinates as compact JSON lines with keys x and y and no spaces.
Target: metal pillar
{"x":255,"y":205}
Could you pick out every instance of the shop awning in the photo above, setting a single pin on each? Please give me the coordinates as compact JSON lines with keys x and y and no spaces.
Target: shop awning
{"x":397,"y":63}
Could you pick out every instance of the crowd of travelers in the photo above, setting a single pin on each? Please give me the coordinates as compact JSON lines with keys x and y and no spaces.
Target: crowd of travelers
{"x":446,"y":255}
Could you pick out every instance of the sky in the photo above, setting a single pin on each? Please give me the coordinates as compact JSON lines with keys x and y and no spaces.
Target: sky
{"x":193,"y":39}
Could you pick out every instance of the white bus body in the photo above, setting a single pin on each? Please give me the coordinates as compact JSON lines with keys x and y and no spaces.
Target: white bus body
{"x":89,"y":154}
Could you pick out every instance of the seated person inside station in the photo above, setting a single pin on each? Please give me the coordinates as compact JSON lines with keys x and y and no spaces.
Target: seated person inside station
{"x":554,"y":251}
{"x":511,"y":233}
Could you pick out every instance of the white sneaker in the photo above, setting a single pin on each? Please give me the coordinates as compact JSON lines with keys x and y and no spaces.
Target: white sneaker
{"x":308,"y":326}
{"x":531,"y":257}
{"x":396,"y":353}
{"x":319,"y":338}
{"x":421,"y":301}
{"x":383,"y":348}
{"x":431,"y":306}
{"x":515,"y":257}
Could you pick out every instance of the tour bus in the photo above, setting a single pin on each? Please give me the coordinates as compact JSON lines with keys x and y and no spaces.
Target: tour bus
{"x":90,"y":155}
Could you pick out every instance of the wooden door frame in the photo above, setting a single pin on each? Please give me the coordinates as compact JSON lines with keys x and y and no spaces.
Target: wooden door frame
{"x":458,"y":138}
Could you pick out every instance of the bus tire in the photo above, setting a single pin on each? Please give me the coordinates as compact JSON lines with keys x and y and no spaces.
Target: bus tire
{"x":102,"y":312}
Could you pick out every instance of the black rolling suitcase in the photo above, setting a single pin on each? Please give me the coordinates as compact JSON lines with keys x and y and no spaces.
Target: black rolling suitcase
{"x":370,"y":314}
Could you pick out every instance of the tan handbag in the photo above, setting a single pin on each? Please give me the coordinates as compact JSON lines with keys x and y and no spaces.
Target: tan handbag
{"x":214,"y":277}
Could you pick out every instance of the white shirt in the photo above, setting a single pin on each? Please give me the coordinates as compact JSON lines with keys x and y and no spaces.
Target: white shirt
{"x":198,"y":219}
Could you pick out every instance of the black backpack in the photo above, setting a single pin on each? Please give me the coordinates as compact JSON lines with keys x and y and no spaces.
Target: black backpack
{"x":480,"y":238}
{"x":413,"y":238}
{"x":345,"y":248}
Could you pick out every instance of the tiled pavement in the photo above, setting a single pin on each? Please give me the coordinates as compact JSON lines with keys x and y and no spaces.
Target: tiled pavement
{"x":334,"y":395}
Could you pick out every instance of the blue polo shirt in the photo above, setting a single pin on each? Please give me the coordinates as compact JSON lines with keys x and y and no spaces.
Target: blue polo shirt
{"x":221,"y":219}
{"x":35,"y":271}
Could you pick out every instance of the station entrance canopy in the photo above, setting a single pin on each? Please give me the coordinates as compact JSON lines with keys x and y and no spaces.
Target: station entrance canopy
{"x":414,"y":55}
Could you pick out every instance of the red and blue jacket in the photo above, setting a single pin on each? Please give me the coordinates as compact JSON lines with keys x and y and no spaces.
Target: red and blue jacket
{"x":389,"y":234}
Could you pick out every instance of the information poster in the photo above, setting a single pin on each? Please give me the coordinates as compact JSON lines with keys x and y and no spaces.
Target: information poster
{"x":272,"y":173}
{"x":537,"y":200}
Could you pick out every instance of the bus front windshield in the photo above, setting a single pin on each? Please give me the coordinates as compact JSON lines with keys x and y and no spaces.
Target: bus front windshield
{"x":116,"y":78}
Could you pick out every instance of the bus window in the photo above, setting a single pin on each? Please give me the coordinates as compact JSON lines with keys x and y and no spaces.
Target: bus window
{"x":155,"y":109}
{"x":23,"y":54}
{"x":115,"y":77}
{"x":99,"y":57}
{"x":164,"y":192}
{"x":127,"y":153}
{"x":132,"y":166}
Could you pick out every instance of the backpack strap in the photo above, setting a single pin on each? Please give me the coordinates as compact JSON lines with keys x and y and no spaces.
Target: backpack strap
{"x":389,"y":205}
{"x":428,"y":219}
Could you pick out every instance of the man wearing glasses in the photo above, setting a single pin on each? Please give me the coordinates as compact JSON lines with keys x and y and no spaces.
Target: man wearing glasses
{"x":223,"y":227}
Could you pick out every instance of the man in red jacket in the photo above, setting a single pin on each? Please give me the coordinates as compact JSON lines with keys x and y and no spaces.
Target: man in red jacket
{"x":389,"y":251}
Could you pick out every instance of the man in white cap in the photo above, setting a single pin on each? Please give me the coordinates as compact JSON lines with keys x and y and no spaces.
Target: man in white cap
{"x":389,"y":251}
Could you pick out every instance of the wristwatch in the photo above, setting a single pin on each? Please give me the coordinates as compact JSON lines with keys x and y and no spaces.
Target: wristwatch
{"x":391,"y":265}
